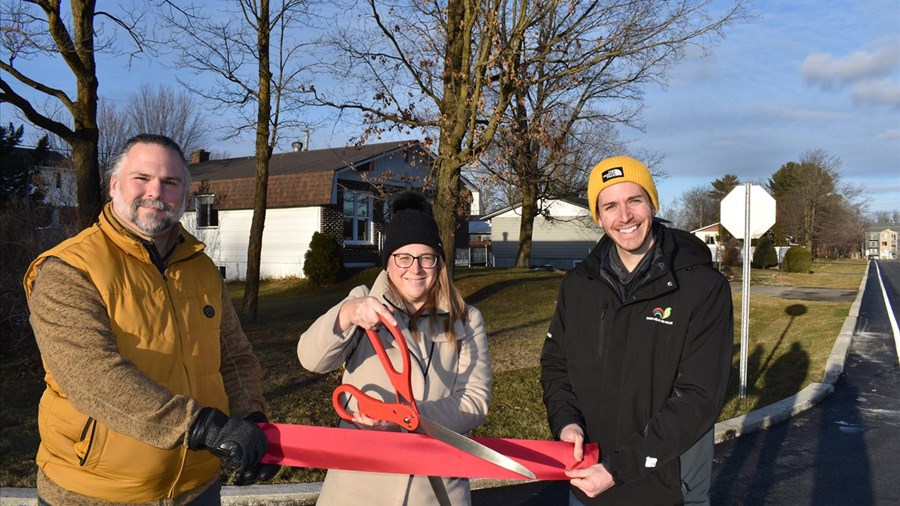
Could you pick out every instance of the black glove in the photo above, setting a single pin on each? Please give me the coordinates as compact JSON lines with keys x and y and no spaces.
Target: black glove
{"x":259,"y":472}
{"x":239,"y":443}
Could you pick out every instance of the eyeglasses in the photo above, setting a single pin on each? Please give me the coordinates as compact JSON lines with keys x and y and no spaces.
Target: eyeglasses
{"x":404,"y":261}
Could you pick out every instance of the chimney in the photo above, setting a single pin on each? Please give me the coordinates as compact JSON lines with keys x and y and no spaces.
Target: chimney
{"x":297,"y":146}
{"x":201,"y":155}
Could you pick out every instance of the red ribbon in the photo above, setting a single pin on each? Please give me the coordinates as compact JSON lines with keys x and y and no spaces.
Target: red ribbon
{"x":408,"y":453}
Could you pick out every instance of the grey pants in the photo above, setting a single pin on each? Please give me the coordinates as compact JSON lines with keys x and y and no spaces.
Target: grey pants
{"x":696,"y":470}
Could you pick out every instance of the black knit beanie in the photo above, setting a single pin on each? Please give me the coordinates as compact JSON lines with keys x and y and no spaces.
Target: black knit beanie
{"x":411,"y":223}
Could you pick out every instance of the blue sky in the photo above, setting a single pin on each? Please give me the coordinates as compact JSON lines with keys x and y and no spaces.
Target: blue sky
{"x":802,"y":75}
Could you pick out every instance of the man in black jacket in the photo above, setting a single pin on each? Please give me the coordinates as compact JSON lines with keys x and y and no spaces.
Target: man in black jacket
{"x":638,"y":353}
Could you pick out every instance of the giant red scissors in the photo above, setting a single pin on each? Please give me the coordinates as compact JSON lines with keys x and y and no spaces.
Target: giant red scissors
{"x":404,"y":412}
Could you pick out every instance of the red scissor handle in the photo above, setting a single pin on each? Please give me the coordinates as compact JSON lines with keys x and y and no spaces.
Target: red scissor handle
{"x":404,"y":411}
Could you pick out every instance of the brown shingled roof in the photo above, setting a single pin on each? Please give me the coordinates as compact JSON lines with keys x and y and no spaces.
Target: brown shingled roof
{"x":297,"y":178}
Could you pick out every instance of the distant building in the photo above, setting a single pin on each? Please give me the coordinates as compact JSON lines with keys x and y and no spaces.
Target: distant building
{"x":881,"y":241}
{"x":56,"y":179}
{"x":710,"y":235}
{"x":53,"y":178}
{"x":345,"y":192}
{"x":561,"y":238}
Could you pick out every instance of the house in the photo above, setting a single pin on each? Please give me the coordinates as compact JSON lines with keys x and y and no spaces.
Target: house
{"x":560,"y":239}
{"x":342,"y":191}
{"x":55,"y":176}
{"x":881,"y":241}
{"x":52,"y":184}
{"x":710,"y":235}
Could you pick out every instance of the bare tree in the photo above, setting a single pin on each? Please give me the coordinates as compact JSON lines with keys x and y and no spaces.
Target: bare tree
{"x":114,"y":131}
{"x":252,"y":50}
{"x":844,"y":235}
{"x":175,"y":114}
{"x":585,"y":62}
{"x":812,"y":197}
{"x":429,"y":66}
{"x":39,"y":29}
{"x":695,"y":209}
{"x":885,"y":217}
{"x":555,"y":61}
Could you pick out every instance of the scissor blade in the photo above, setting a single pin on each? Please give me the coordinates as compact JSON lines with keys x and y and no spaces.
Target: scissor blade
{"x":467,"y":445}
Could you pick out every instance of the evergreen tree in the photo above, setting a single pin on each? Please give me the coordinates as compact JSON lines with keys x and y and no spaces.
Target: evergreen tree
{"x":765,"y":256}
{"x":17,"y":165}
{"x":322,"y":261}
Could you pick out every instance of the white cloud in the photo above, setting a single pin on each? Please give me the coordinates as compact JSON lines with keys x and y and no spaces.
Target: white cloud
{"x":825,"y":70}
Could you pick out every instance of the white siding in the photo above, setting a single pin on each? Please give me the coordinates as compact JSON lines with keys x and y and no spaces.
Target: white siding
{"x":561,"y":242}
{"x":63,"y":195}
{"x":286,"y":238}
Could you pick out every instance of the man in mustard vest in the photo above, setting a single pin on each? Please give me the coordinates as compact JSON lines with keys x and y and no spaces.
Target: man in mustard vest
{"x":150,"y":381}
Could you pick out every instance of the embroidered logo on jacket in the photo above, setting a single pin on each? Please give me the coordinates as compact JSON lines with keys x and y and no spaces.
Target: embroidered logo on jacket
{"x":661,"y":315}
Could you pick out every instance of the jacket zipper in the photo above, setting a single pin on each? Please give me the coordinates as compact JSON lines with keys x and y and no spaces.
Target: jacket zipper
{"x":90,"y":425}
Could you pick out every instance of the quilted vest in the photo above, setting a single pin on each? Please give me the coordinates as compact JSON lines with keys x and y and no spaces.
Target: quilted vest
{"x":168,"y":326}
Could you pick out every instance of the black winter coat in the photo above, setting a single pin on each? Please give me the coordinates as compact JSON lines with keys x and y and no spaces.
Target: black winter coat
{"x":646,"y":376}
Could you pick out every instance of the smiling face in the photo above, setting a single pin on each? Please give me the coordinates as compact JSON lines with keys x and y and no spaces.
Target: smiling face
{"x":149,"y":190}
{"x":626,"y":215}
{"x":414,"y":282}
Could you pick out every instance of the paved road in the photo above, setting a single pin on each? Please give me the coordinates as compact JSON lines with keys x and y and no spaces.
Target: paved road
{"x":844,"y":451}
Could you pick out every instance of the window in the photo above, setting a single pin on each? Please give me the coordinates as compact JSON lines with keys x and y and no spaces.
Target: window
{"x":711,"y":239}
{"x":207,"y":215}
{"x":357,"y":217}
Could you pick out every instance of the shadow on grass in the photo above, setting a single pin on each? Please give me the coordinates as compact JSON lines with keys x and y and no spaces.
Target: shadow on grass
{"x":514,"y":328}
{"x":493,"y":289}
{"x":769,"y":382}
{"x":782,"y":378}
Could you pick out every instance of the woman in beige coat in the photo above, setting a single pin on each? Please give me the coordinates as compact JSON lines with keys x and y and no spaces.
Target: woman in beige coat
{"x":450,"y":364}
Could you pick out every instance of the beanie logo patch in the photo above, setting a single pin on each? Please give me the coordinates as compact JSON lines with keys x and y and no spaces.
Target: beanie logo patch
{"x":612,"y":173}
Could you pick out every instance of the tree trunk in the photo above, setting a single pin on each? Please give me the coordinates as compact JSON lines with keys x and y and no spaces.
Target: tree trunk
{"x":526,"y":225}
{"x":447,"y":204}
{"x":87,"y":178}
{"x":263,"y":154}
{"x":455,"y":108}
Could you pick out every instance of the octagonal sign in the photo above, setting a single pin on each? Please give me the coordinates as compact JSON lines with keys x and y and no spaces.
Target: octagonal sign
{"x":734,"y":210}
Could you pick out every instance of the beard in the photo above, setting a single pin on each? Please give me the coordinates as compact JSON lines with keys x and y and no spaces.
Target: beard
{"x":149,"y":223}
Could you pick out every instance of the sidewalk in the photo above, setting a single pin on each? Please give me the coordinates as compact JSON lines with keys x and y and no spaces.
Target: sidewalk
{"x":302,"y":494}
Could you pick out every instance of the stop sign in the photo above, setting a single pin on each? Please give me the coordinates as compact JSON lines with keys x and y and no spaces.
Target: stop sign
{"x":734,"y":210}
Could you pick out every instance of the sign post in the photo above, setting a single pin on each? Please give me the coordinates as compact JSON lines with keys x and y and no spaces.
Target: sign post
{"x":747,"y":212}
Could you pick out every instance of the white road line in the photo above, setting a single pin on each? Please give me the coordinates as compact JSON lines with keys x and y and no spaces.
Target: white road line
{"x":890,"y":311}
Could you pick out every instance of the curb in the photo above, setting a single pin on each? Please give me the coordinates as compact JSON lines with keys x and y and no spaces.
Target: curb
{"x":302,"y":494}
{"x":767,"y":416}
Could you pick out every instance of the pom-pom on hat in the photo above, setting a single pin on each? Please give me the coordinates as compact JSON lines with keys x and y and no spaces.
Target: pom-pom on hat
{"x":411,"y":223}
{"x":619,"y":169}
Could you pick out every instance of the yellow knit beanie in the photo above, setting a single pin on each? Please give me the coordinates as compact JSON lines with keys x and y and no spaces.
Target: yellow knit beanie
{"x":619,"y":169}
